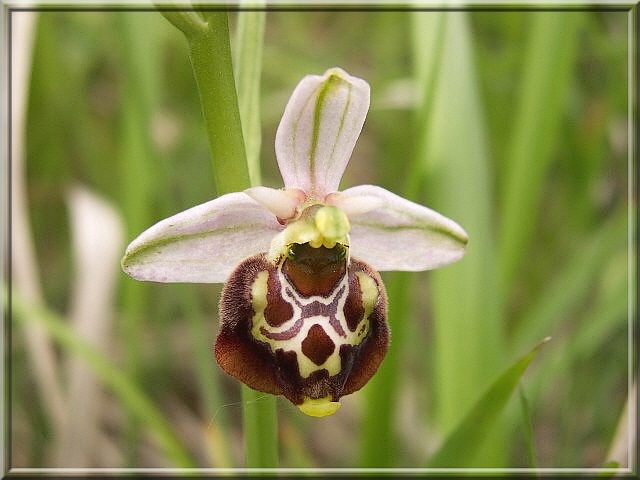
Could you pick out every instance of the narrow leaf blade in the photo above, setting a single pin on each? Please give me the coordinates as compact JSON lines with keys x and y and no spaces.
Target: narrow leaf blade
{"x":459,"y":448}
{"x":248,"y":69}
{"x":528,"y":429}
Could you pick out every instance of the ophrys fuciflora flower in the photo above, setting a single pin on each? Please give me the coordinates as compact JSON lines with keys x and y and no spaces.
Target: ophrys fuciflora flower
{"x":303,"y":310}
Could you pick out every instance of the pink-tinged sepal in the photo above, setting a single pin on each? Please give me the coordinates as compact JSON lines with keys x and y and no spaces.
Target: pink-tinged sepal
{"x":203,"y":243}
{"x":397,"y":234}
{"x":319,"y":129}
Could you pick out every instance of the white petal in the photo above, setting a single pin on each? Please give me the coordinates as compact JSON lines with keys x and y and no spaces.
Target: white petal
{"x":402,"y":235}
{"x":282,"y":203}
{"x":202,"y":244}
{"x":319,"y":129}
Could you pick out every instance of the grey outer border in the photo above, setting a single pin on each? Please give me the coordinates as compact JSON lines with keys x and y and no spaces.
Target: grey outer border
{"x":8,"y":6}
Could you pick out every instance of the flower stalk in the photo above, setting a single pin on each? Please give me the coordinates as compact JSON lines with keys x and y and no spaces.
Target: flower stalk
{"x":260,"y":425}
{"x":210,"y":54}
{"x":210,"y":51}
{"x":209,"y":47}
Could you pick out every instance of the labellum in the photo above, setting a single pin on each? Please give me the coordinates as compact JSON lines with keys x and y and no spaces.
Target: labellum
{"x":312,"y":327}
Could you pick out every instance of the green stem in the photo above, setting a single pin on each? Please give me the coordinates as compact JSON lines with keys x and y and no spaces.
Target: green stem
{"x":260,"y":429}
{"x":210,"y":53}
{"x":188,"y":22}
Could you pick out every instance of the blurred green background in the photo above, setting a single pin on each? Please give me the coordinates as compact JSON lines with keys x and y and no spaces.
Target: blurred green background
{"x":512,"y":123}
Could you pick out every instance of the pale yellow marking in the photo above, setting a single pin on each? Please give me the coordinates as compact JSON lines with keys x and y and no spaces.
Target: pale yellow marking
{"x":333,"y":364}
{"x":259,"y":302}
{"x":319,"y":407}
{"x":306,"y":366}
{"x":369,"y":291}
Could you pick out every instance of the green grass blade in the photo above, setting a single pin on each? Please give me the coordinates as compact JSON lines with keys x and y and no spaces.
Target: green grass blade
{"x":465,"y":441}
{"x":378,"y":443}
{"x":428,"y":49}
{"x":546,"y":78}
{"x":138,"y":174}
{"x":469,"y":344}
{"x":596,"y":327}
{"x":571,"y":285}
{"x":138,"y":404}
{"x":379,"y":446}
{"x":32,"y":36}
{"x":141,"y":57}
{"x":248,"y":67}
{"x":528,"y":428}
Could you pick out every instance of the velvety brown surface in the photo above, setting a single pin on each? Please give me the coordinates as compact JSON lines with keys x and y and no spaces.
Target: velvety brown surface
{"x":315,"y":271}
{"x":252,"y":362}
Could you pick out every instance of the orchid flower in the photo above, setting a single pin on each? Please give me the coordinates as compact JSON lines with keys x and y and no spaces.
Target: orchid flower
{"x":303,"y":310}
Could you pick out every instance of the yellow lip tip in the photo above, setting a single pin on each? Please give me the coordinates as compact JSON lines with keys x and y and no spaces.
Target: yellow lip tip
{"x":319,"y":407}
